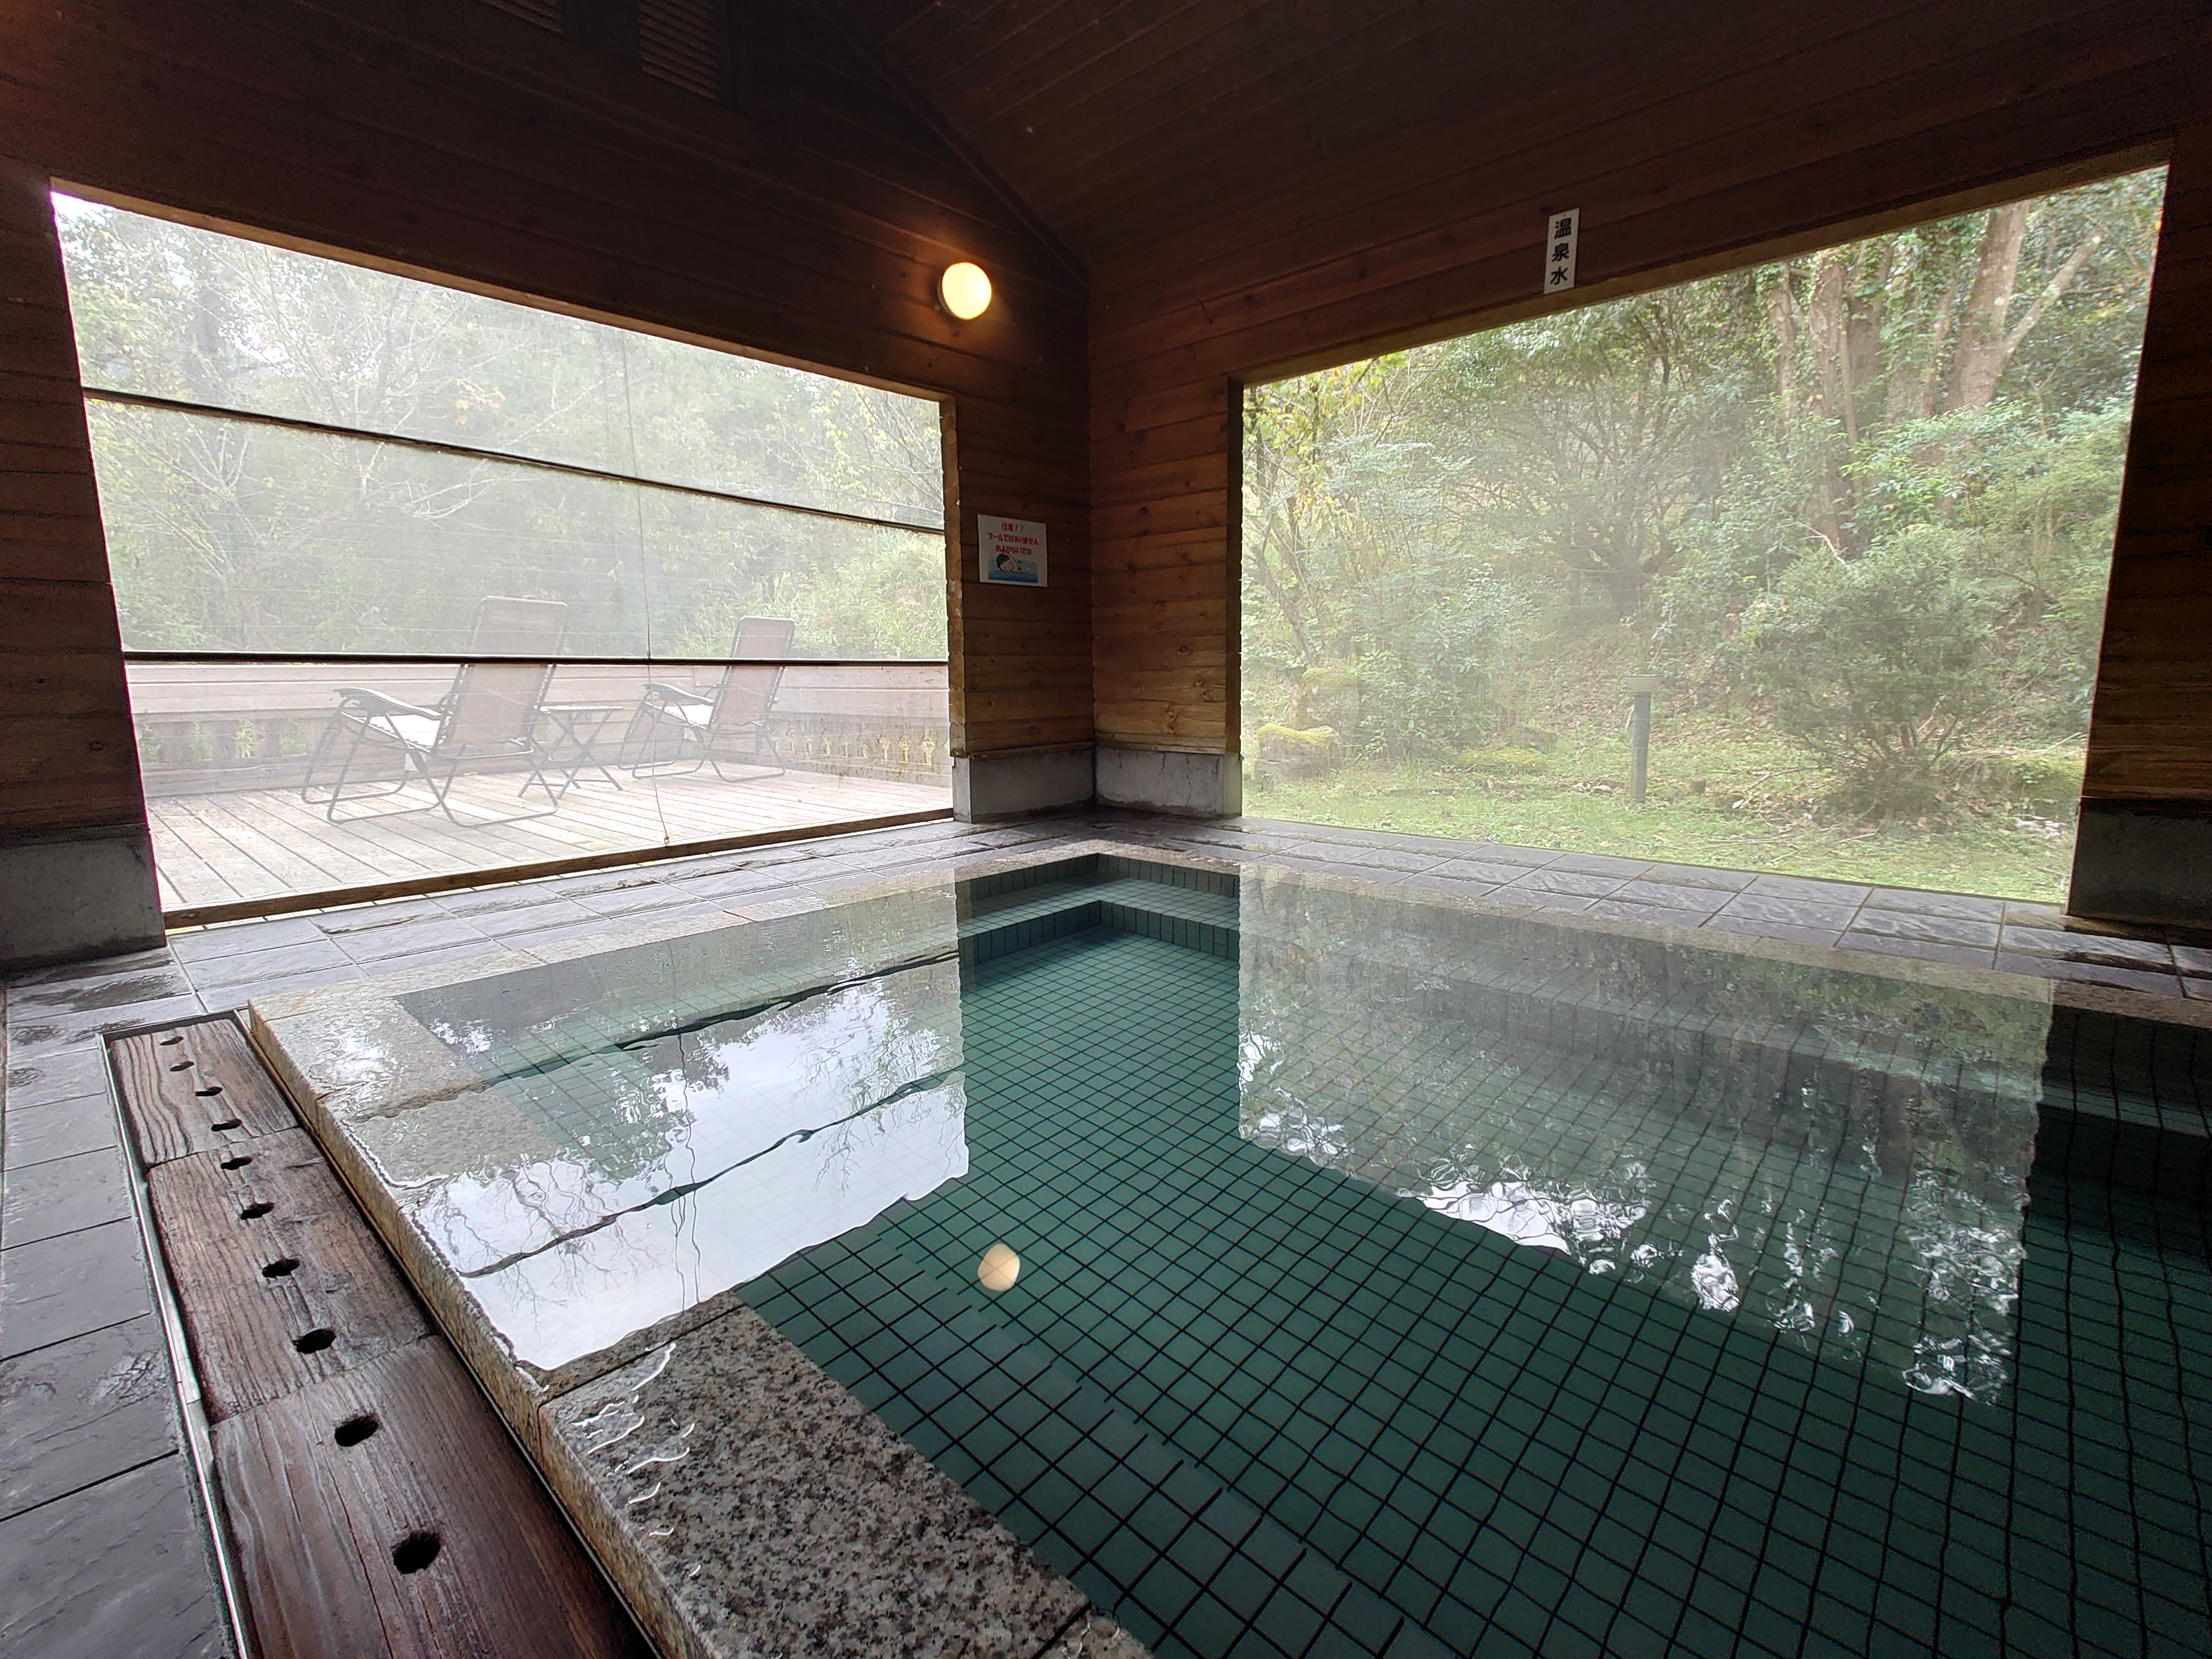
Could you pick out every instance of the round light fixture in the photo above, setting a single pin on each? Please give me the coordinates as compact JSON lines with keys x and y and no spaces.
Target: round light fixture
{"x":965,"y":291}
{"x":999,"y":1269}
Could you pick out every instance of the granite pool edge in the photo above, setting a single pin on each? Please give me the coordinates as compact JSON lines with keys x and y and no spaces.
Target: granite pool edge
{"x":814,"y":1519}
{"x":312,"y":1066}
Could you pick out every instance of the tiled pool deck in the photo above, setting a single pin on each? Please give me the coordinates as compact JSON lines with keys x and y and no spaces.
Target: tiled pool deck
{"x":101,"y":1543}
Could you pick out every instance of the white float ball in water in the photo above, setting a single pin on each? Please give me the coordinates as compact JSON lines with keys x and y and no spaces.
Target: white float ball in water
{"x":999,"y":1267}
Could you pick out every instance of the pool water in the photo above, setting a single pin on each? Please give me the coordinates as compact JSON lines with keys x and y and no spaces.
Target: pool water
{"x":1400,"y":1280}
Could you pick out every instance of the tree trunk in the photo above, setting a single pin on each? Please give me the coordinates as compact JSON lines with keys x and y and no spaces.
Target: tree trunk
{"x":1824,"y":330}
{"x":1864,"y":314}
{"x":1782,"y":317}
{"x":1830,"y":348}
{"x":1982,"y":350}
{"x":1913,"y":386}
{"x":2056,"y":287}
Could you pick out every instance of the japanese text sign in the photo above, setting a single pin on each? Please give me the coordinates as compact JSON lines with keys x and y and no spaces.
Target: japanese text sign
{"x":1011,"y":551}
{"x":1560,"y":231}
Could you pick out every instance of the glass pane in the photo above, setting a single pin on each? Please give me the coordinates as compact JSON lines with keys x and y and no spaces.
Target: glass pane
{"x":1846,"y":520}
{"x":474,"y":479}
{"x":170,"y":311}
{"x":269,"y":779}
{"x":233,"y":536}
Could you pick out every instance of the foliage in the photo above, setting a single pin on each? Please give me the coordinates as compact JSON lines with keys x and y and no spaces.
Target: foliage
{"x":1875,"y":664}
{"x":230,"y":534}
{"x":1313,"y":742}
{"x":1862,"y":500}
{"x":1503,"y":762}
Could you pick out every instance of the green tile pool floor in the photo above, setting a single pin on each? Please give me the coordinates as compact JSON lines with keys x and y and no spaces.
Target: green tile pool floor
{"x":1255,"y":1406}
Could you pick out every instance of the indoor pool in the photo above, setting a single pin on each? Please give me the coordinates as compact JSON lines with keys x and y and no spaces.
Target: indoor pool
{"x":1394,"y":1277}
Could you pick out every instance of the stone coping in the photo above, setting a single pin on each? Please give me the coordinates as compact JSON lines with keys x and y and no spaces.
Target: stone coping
{"x":742,"y":1501}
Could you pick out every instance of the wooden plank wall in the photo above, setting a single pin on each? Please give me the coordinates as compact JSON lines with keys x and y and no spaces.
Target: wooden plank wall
{"x":2150,"y":734}
{"x":807,"y":222}
{"x":1721,"y":140}
{"x":67,"y":761}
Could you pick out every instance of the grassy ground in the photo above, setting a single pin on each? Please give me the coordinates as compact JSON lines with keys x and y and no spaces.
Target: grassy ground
{"x":1746,"y":805}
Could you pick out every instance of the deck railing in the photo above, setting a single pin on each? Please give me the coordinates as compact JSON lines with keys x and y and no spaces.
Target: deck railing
{"x":214,"y":722}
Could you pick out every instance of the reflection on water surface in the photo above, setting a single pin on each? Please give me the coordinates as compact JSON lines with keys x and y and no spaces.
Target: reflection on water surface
{"x":686,"y":1115}
{"x":1840,"y":1157}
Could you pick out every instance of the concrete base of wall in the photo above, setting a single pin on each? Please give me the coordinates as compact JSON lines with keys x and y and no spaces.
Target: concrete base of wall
{"x":1007,"y":786}
{"x":85,"y":895}
{"x":2144,"y":861}
{"x":1172,"y":781}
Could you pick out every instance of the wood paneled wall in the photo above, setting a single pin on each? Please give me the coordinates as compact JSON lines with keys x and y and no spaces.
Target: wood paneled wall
{"x":807,"y":222}
{"x":2150,"y":735}
{"x":1734,"y":138}
{"x":67,"y":758}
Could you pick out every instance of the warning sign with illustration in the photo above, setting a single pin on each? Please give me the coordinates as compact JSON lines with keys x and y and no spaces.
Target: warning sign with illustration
{"x":1012,"y":550}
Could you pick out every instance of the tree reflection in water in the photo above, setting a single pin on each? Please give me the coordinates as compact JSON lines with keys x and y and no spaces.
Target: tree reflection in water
{"x":1839,"y":1156}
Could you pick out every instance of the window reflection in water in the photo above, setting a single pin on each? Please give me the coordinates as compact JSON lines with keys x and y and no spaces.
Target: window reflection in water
{"x":691,"y":1115}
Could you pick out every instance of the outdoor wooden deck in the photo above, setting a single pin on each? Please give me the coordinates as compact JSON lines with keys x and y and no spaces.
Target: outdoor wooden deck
{"x":220,"y":849}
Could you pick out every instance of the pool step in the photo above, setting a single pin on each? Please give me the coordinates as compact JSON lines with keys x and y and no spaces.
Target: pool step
{"x":2117,"y":1101}
{"x":1700,"y":1010}
{"x":1018,"y":919}
{"x":2124,"y":1104}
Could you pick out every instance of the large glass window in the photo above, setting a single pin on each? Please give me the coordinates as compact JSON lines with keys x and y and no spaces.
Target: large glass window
{"x":1846,"y":520}
{"x":366,"y":482}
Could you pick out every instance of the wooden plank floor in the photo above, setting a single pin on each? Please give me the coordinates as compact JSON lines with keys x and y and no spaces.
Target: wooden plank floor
{"x":258,"y":844}
{"x":374,"y":1505}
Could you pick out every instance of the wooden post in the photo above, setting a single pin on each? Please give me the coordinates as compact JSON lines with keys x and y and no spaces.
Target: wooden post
{"x":1640,"y":688}
{"x":2144,"y":852}
{"x":76,"y":875}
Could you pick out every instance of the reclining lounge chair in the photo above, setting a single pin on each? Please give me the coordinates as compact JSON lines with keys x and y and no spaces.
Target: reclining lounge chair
{"x":490,"y":713}
{"x":679,"y":729}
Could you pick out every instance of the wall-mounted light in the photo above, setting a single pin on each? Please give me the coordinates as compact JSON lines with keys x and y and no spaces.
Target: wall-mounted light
{"x":965,"y":291}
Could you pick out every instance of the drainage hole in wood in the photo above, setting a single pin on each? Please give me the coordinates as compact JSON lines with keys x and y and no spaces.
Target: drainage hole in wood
{"x":172,"y":1039}
{"x":279,"y":1268}
{"x":255,"y":1212}
{"x":354,"y":1429}
{"x":316,"y":1341}
{"x":181,"y":1066}
{"x":224,"y":1123}
{"x":415,"y":1551}
{"x":212,"y":1089}
{"x":238,"y":1163}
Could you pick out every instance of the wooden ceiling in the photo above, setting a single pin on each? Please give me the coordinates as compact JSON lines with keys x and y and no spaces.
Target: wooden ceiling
{"x":1120,"y":122}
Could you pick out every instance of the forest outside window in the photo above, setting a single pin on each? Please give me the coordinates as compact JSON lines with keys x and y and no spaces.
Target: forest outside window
{"x":1854,"y":510}
{"x":318,"y":480}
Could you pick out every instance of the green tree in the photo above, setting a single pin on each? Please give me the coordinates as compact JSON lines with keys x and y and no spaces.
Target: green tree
{"x":1877,"y":666}
{"x":1641,"y":482}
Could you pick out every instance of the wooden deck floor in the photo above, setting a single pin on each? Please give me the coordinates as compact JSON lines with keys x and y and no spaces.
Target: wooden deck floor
{"x":223,"y":849}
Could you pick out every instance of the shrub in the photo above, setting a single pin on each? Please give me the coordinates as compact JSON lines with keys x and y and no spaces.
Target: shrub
{"x":1879,"y":666}
{"x":2051,"y":783}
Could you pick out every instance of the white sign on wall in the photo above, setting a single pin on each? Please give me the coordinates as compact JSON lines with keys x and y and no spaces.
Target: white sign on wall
{"x":1560,"y":231}
{"x":1011,"y":551}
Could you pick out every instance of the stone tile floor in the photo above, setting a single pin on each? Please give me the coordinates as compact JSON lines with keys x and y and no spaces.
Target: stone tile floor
{"x":103,"y":1546}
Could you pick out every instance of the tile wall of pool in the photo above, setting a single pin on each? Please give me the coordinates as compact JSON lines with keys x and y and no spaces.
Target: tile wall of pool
{"x":1400,"y":1280}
